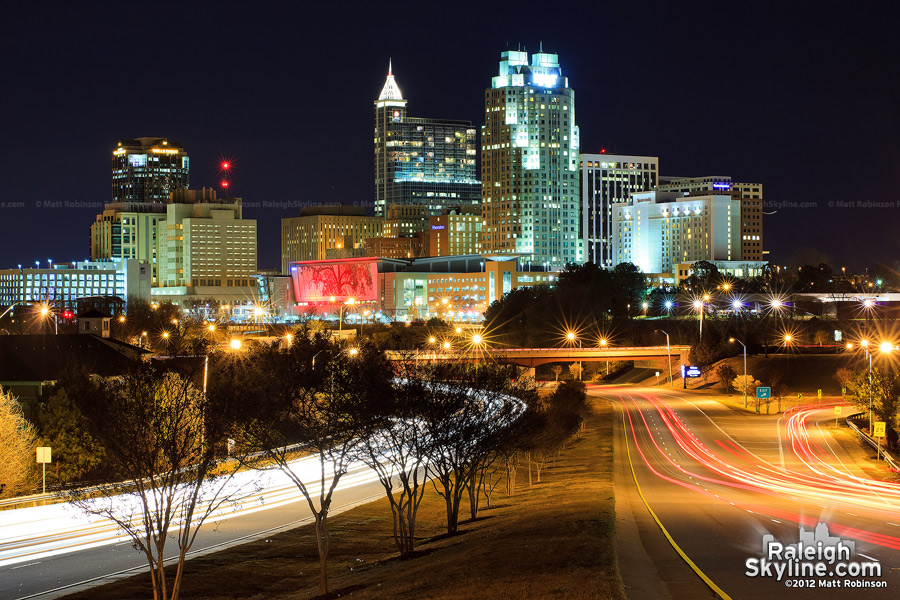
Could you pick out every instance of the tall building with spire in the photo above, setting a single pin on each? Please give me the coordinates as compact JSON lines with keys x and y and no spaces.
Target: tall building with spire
{"x":529,"y":163}
{"x":421,"y":161}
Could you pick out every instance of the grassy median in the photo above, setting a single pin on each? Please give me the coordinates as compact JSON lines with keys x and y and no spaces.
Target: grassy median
{"x":552,"y":540}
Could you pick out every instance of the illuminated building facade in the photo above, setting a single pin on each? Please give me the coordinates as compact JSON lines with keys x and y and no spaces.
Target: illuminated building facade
{"x":608,"y":180}
{"x":322,"y":228}
{"x":148,"y":169}
{"x":750,"y":195}
{"x":529,"y":163}
{"x":455,"y":288}
{"x":61,"y":285}
{"x":429,"y":162}
{"x":457,"y":231}
{"x":658,"y":230}
{"x":204,"y":247}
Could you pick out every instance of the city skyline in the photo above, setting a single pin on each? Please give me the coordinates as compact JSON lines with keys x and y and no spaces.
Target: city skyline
{"x":798,"y":100}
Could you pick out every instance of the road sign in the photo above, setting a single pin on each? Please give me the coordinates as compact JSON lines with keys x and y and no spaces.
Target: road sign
{"x":763,"y":392}
{"x":837,"y":410}
{"x":690,"y":371}
{"x":43,"y":454}
{"x":820,"y":394}
{"x":879,"y":429}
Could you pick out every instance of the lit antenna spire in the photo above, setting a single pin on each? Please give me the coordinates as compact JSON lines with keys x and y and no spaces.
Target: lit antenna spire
{"x":390,"y":91}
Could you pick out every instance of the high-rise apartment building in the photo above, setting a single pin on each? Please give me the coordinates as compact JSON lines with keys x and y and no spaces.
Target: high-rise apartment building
{"x":529,"y":162}
{"x":750,"y":195}
{"x":148,"y":169}
{"x":607,"y":180}
{"x":658,"y":230}
{"x":321,"y":228}
{"x":430,"y":162}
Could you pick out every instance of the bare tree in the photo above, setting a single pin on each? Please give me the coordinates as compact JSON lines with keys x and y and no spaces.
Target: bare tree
{"x":466,"y":425}
{"x":316,"y":399}
{"x":162,"y":440}
{"x":557,"y":371}
{"x":17,"y":444}
{"x":575,"y":370}
{"x":726,"y":375}
{"x":398,"y":452}
{"x":844,"y":376}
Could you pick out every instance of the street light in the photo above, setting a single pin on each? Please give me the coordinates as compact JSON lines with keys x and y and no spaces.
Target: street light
{"x":668,"y":354}
{"x":603,"y":344}
{"x":570,"y":336}
{"x":235,"y":344}
{"x":45,"y":311}
{"x":732,"y":340}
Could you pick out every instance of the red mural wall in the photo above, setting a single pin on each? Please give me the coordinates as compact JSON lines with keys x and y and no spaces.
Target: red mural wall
{"x":319,"y":281}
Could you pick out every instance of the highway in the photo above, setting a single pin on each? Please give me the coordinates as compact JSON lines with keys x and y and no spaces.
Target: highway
{"x":718,"y":480}
{"x":49,"y":551}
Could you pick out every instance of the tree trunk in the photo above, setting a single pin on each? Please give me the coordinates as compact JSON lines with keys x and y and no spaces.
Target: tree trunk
{"x":528,"y":456}
{"x":322,"y":541}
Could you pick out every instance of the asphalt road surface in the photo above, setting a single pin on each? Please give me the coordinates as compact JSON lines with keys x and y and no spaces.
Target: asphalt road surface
{"x":50,"y":551}
{"x":717,"y":481}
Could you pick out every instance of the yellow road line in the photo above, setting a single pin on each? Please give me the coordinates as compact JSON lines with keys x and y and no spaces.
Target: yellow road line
{"x":662,"y":527}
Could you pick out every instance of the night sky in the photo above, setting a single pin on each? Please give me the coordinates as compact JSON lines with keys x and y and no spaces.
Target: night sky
{"x":803,"y":99}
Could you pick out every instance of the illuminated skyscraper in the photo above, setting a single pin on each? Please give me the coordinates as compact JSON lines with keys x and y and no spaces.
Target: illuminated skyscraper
{"x":529,"y":162}
{"x":148,"y":169}
{"x":421,"y":161}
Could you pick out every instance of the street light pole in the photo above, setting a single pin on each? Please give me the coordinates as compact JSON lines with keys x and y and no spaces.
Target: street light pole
{"x":668,"y":354}
{"x":745,"y":370}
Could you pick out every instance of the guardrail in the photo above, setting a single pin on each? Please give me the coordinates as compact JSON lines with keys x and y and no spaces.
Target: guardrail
{"x":882,"y":452}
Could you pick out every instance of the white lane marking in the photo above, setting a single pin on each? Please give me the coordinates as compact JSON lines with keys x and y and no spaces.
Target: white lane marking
{"x":869,"y":557}
{"x":23,"y":566}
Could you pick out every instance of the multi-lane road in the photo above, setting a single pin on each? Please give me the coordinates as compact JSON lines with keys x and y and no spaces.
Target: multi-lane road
{"x":49,"y":551}
{"x":699,"y":485}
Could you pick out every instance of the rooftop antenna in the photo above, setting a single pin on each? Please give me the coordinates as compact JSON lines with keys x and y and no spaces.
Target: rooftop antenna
{"x":541,"y":47}
{"x":390,"y":67}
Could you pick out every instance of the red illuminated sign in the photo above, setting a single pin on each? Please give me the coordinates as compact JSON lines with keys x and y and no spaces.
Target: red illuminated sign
{"x":320,"y":281}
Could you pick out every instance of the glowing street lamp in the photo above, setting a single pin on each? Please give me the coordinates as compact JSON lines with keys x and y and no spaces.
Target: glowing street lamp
{"x":235,"y":344}
{"x":46,"y":312}
{"x":733,"y":340}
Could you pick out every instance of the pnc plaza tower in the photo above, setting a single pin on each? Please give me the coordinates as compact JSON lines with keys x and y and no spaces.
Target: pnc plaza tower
{"x":529,"y":163}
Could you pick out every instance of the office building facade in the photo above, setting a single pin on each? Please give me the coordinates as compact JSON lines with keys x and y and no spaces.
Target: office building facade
{"x":658,"y":230}
{"x":608,"y":180}
{"x":62,"y":285}
{"x":529,"y":163}
{"x":456,"y":232}
{"x":206,"y":245}
{"x":750,"y":195}
{"x":429,"y":162}
{"x":321,"y":228}
{"x":148,"y":169}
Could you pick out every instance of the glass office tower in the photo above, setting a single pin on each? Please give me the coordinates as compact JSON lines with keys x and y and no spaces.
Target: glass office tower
{"x":421,"y":161}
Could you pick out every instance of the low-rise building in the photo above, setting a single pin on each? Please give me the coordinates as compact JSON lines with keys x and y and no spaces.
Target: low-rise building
{"x":63,"y":285}
{"x":454,"y":288}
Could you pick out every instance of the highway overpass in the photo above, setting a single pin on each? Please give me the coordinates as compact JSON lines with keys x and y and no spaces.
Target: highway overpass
{"x":532,"y":357}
